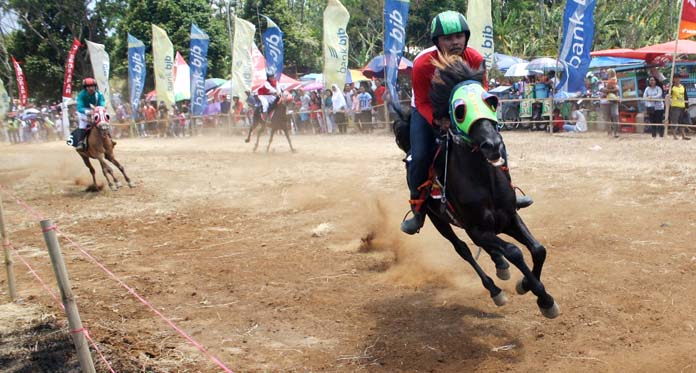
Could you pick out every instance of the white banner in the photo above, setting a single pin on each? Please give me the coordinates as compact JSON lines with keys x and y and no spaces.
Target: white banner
{"x":100,"y":68}
{"x":4,"y":101}
{"x":335,"y":44}
{"x":478,"y":16}
{"x":242,"y":73}
{"x":163,"y":63}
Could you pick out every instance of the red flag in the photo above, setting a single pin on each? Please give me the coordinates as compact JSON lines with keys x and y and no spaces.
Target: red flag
{"x":687,"y":25}
{"x":69,"y":67}
{"x":21,"y":82}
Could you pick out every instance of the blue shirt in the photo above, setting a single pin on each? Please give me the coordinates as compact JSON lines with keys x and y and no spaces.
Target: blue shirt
{"x":365,"y":101}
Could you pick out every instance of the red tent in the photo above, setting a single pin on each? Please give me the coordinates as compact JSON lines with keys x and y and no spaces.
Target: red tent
{"x":651,"y":53}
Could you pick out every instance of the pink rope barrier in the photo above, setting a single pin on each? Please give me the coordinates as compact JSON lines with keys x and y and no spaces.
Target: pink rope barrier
{"x":168,"y":321}
{"x":53,"y":295}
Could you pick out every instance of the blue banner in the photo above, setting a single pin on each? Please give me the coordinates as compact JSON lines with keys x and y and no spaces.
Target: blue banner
{"x":273,"y":49}
{"x":198,"y":63}
{"x":395,"y":17}
{"x":578,"y":32}
{"x":136,"y":72}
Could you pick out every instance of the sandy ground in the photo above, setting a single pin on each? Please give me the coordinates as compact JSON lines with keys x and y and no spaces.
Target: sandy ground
{"x":259,"y":257}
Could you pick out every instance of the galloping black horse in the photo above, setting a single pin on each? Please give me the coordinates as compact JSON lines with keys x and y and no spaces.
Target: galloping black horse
{"x":279,"y":121}
{"x":475,"y":193}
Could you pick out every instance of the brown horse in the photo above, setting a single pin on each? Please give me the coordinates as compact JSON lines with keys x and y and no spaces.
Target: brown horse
{"x":279,"y":121}
{"x":101,"y":147}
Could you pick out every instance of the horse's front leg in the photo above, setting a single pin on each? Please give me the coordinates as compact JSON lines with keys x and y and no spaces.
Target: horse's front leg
{"x":258,"y":135}
{"x":93,"y":187}
{"x":519,"y":231}
{"x":489,"y":241}
{"x":270,"y":139}
{"x":110,"y":158}
{"x":106,"y":170}
{"x":251,"y":129}
{"x":287,"y":136}
{"x":462,"y":249}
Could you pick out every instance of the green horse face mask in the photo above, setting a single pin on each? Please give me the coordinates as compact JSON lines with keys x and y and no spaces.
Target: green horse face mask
{"x":469,"y":102}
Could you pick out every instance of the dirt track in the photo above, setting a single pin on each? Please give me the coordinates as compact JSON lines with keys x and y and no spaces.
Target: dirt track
{"x":259,"y":256}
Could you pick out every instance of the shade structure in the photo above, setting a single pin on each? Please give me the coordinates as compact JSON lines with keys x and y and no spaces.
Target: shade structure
{"x":375,"y":68}
{"x":213,"y":83}
{"x":606,"y":61}
{"x":312,"y":77}
{"x":619,"y":52}
{"x":354,"y":76}
{"x":518,"y":69}
{"x":503,"y":61}
{"x":545,"y":64}
{"x":313,"y":86}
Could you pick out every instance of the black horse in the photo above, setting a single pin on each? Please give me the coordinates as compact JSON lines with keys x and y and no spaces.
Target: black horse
{"x":473,"y":191}
{"x":279,"y":121}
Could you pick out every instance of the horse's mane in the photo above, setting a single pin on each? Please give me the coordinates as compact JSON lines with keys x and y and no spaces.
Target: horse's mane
{"x":449,"y":71}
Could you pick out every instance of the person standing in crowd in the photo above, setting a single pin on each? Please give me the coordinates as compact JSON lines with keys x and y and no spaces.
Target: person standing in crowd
{"x":655,"y":107}
{"x":677,"y":110}
{"x":238,"y":108}
{"x":339,"y":108}
{"x":364,"y":116}
{"x":610,"y":101}
{"x":449,"y":33}
{"x":150,"y":114}
{"x":379,"y":100}
{"x":328,"y":111}
{"x":88,"y":97}
{"x":225,"y":106}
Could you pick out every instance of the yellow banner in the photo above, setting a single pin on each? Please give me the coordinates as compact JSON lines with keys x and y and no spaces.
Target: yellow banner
{"x":4,"y":101}
{"x":336,"y":19}
{"x":100,"y":67}
{"x":242,"y":73}
{"x":478,"y":16}
{"x":163,"y":62}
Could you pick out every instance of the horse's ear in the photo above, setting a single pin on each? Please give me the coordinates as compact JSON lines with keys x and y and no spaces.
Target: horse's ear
{"x":491,"y":100}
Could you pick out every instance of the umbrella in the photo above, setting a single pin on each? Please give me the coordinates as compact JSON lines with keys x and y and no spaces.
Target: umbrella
{"x":518,"y":69}
{"x":213,"y":83}
{"x":545,"y":63}
{"x":312,"y":77}
{"x":503,"y":61}
{"x":613,"y":61}
{"x":354,"y":76}
{"x":375,"y":68}
{"x":313,"y":86}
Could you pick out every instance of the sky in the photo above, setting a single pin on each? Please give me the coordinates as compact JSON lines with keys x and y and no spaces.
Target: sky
{"x":8,"y":21}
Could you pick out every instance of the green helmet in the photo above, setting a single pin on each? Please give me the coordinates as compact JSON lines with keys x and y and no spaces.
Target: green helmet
{"x":447,"y":23}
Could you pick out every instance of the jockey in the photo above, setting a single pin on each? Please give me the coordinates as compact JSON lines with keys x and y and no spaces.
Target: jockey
{"x":269,"y":93}
{"x":450,"y":34}
{"x":89,"y":96}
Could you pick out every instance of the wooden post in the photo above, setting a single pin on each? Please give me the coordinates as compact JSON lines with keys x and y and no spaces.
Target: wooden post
{"x":74,"y":322}
{"x":8,"y":257}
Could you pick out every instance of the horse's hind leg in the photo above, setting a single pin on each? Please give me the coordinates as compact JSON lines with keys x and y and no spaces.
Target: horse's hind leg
{"x":489,"y":241}
{"x":519,"y":231}
{"x":287,"y":136}
{"x":462,"y":249}
{"x":93,"y":187}
{"x":251,"y":129}
{"x":258,"y":135}
{"x":113,"y":160}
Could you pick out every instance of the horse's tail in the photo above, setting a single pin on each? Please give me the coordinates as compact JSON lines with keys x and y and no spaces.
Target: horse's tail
{"x":402,"y":127}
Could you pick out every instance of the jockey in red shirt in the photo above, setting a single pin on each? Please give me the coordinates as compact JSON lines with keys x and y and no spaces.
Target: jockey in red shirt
{"x":269,"y":93}
{"x":450,"y":34}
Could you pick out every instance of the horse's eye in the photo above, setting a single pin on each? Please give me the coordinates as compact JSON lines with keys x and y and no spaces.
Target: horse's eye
{"x":459,"y":110}
{"x":96,"y":118}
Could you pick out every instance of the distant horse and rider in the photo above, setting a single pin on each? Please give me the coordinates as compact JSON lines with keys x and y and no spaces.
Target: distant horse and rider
{"x":100,"y":146}
{"x":468,"y":187}
{"x":275,"y":116}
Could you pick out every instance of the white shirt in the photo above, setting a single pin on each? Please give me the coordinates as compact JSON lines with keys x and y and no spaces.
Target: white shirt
{"x":654,"y":93}
{"x":580,"y":121}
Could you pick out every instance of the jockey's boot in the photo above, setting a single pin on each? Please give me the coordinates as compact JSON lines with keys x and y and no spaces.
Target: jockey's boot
{"x":414,"y":224}
{"x":523,"y":201}
{"x":79,"y":139}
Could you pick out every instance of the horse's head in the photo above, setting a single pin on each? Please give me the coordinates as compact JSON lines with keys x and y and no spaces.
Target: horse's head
{"x":101,"y":119}
{"x":457,"y":94}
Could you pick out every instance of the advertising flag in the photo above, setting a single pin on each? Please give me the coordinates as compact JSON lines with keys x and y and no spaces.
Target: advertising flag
{"x":242,"y":73}
{"x":395,"y":17}
{"x":336,"y":19}
{"x":4,"y":100}
{"x":576,"y":45}
{"x":136,"y":72}
{"x":100,"y":67}
{"x":21,"y":82}
{"x":478,"y":16}
{"x":182,"y":79}
{"x":687,"y":24}
{"x":163,"y":62}
{"x":273,"y":49}
{"x":198,"y":64}
{"x":69,"y":68}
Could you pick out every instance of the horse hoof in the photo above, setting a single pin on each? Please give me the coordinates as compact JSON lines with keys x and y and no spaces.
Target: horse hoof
{"x":118,"y":185}
{"x":503,"y":273}
{"x":551,"y":312}
{"x":131,"y":185}
{"x":520,"y":288}
{"x":501,"y":299}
